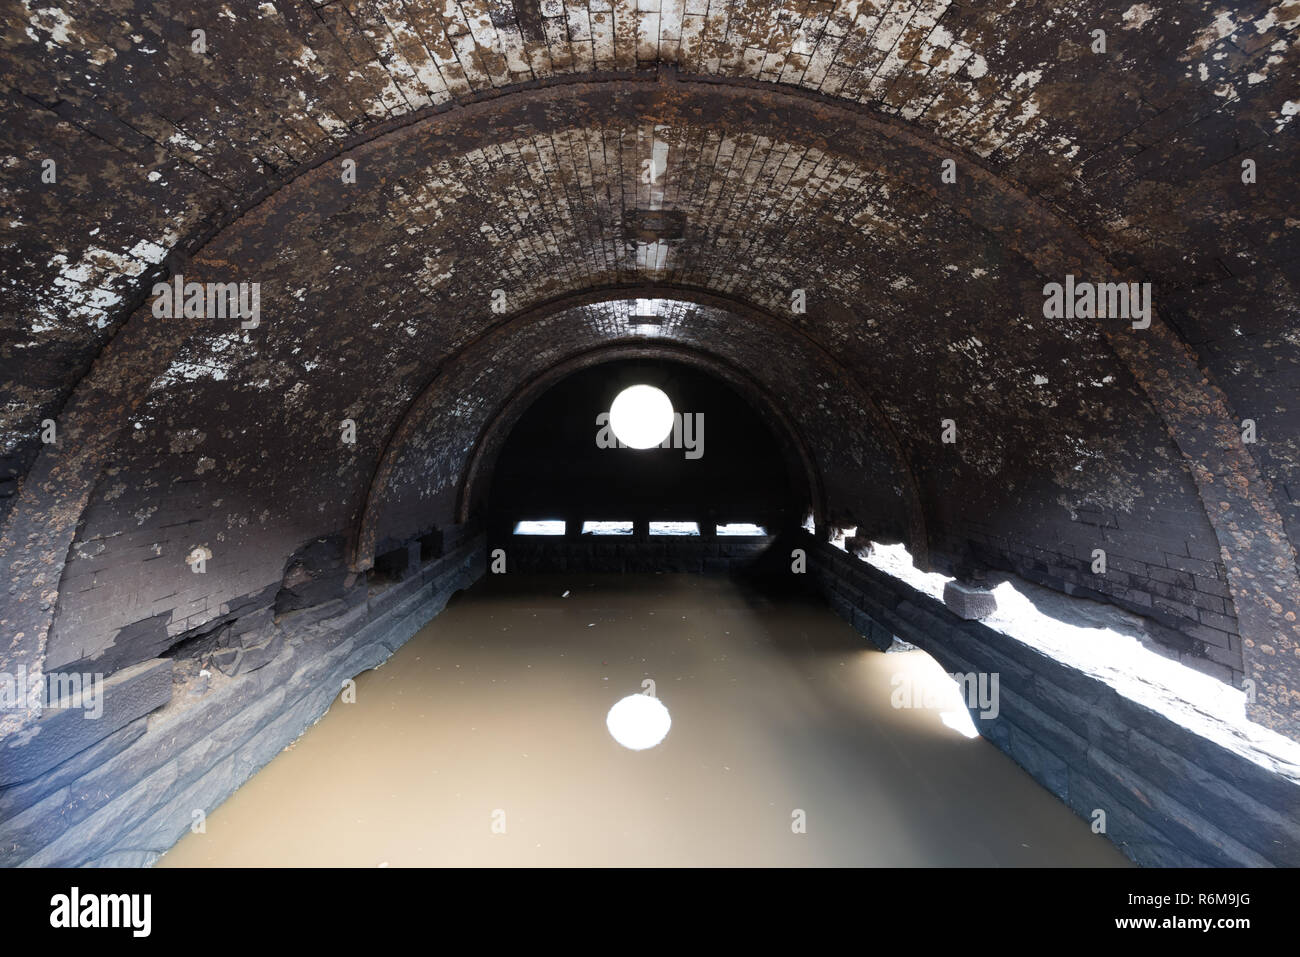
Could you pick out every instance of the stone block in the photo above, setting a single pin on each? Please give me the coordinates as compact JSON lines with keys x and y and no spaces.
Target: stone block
{"x":967,"y":602}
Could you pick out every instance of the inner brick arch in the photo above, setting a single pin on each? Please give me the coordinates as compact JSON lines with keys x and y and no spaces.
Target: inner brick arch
{"x":1262,"y":561}
{"x":800,"y":462}
{"x":423,"y":414}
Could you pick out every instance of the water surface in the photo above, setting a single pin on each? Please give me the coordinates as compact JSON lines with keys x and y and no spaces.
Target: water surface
{"x":483,"y":742}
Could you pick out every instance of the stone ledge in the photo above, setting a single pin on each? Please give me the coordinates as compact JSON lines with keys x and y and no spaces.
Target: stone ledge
{"x":126,"y":805}
{"x":14,"y":799}
{"x":1172,"y":797}
{"x":60,"y":733}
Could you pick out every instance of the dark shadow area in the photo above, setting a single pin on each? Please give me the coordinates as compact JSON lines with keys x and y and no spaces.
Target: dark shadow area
{"x":726,"y":466}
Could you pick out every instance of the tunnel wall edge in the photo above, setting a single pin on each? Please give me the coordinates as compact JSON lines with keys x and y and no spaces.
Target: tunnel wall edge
{"x":125,"y":799}
{"x":1171,"y":797}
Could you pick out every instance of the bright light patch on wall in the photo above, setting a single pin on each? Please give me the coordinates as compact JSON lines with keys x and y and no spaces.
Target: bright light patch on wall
{"x":641,"y":416}
{"x":1106,"y":642}
{"x":919,"y":682}
{"x":652,"y":255}
{"x":607,"y":528}
{"x":741,"y":528}
{"x":544,"y":527}
{"x":674,"y":528}
{"x":638,"y":722}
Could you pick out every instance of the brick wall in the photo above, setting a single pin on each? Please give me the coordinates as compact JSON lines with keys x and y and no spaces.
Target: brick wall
{"x":1175,"y":580}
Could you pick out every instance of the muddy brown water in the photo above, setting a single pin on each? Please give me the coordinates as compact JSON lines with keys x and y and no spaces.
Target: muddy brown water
{"x":492,"y":719}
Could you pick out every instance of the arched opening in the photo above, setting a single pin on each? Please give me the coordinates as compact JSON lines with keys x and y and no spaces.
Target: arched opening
{"x":719,"y":463}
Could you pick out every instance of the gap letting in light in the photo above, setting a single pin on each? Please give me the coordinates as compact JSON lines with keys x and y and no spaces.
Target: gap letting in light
{"x":641,"y":416}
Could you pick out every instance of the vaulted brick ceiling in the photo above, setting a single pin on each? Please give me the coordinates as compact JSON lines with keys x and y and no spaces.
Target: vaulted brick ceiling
{"x":710,"y":156}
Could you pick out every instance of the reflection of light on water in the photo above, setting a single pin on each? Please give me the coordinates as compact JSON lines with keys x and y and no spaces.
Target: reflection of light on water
{"x":638,"y":722}
{"x":919,"y":682}
{"x":960,"y":721}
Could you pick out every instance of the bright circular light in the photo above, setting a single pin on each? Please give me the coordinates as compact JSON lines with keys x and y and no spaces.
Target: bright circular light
{"x":641,"y":416}
{"x":638,"y":722}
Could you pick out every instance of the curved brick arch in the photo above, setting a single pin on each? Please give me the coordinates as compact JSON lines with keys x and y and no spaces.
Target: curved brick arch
{"x":416,"y":418}
{"x":1260,"y":558}
{"x":421,"y":416}
{"x":494,"y":435}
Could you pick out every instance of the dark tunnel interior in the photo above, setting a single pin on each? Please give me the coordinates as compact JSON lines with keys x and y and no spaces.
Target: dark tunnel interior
{"x":722,"y":466}
{"x":650,"y":433}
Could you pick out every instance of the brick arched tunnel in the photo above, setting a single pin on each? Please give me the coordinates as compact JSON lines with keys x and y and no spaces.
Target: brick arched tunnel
{"x":1015,"y":295}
